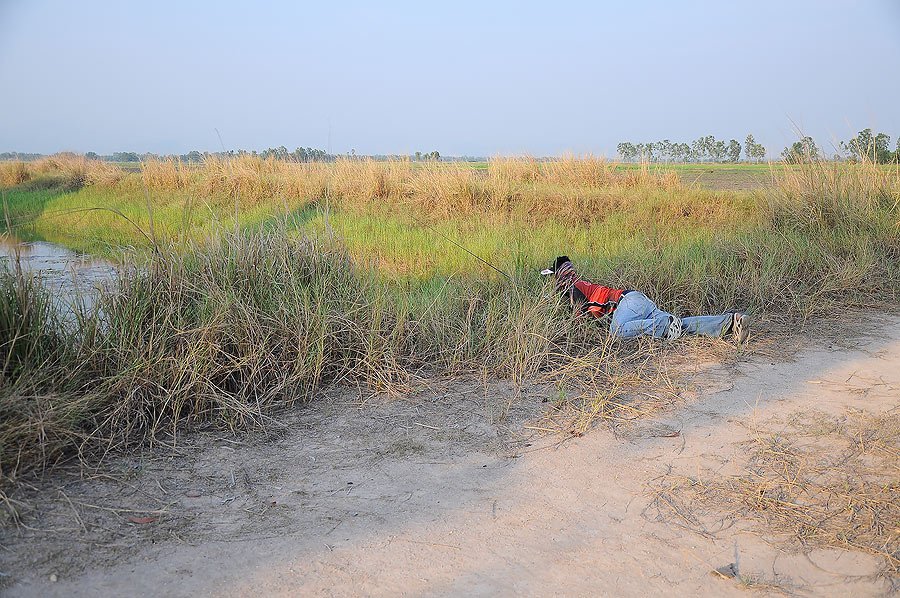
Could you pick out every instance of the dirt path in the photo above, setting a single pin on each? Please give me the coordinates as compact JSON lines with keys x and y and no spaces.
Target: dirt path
{"x":440,"y":496}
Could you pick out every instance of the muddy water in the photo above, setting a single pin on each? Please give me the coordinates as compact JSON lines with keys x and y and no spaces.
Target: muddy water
{"x":69,"y":276}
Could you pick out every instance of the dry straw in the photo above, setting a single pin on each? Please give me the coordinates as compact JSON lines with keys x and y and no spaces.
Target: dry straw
{"x":826,"y":482}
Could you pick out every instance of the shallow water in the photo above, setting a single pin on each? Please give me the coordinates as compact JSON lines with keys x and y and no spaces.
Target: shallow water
{"x":70,"y":276}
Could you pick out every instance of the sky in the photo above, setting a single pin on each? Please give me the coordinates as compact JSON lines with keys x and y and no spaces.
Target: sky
{"x":463,"y":78}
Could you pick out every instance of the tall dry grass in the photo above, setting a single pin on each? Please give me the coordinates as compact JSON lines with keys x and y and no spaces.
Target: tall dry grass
{"x":830,"y":196}
{"x":525,"y":186}
{"x":69,"y":171}
{"x":230,"y":328}
{"x":14,"y":173}
{"x":579,"y":187}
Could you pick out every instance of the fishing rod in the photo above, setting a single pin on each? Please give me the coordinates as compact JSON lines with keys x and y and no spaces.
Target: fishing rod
{"x":473,"y":254}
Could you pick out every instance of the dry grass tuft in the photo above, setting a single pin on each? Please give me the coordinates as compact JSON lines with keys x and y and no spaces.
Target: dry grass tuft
{"x":14,"y":173}
{"x":611,"y":381}
{"x":164,"y":174}
{"x":827,"y":482}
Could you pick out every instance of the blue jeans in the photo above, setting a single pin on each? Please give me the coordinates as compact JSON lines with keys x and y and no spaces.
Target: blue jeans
{"x":637,"y":315}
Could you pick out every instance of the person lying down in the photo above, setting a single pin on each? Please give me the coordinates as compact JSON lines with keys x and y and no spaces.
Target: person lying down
{"x":633,"y":314}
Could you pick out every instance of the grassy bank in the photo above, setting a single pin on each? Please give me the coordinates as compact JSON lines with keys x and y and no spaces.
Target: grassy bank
{"x":229,"y":328}
{"x":260,"y":280}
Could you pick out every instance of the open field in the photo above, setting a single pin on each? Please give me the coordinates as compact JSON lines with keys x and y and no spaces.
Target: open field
{"x":246,"y":283}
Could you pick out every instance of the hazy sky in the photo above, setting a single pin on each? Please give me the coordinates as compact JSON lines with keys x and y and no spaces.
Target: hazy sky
{"x":477,"y":78}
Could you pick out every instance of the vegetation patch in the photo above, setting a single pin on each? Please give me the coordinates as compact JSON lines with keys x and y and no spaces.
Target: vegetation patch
{"x":251,"y":282}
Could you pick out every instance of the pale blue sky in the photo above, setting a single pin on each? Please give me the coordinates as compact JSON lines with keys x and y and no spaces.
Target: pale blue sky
{"x":461,"y":77}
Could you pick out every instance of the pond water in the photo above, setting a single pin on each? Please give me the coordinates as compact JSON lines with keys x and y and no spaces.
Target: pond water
{"x":69,"y":276}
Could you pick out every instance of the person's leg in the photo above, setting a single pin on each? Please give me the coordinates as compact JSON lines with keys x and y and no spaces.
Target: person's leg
{"x":637,"y":315}
{"x":666,"y":325}
{"x":737,"y":323}
{"x":717,"y":326}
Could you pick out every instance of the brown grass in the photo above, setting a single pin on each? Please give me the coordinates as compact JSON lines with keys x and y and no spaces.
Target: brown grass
{"x":828,"y":482}
{"x":13,"y":173}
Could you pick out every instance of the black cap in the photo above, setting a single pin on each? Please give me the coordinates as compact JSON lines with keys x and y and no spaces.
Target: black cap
{"x":559,"y":262}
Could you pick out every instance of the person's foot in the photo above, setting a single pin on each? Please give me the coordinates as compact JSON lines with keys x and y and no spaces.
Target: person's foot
{"x":740,"y":327}
{"x":675,"y":328}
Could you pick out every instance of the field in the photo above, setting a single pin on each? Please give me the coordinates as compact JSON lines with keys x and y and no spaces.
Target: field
{"x":247,"y":283}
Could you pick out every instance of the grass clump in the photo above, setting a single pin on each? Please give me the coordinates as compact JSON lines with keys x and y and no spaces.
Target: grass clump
{"x":14,"y":173}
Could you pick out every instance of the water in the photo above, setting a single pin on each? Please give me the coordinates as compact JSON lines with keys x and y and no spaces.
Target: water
{"x":69,"y":276}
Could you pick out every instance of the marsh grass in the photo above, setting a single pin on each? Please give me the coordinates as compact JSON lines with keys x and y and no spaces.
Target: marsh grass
{"x":272,"y":278}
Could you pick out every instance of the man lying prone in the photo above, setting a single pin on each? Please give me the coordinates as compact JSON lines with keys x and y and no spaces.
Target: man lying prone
{"x":634,"y":314}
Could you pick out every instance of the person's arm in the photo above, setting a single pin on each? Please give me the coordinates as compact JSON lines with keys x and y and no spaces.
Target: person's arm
{"x":599,"y":310}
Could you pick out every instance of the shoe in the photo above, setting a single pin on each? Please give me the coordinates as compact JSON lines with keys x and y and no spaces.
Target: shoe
{"x":675,"y":328}
{"x":740,"y":327}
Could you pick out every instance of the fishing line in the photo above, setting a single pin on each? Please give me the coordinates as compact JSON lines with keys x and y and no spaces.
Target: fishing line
{"x":72,"y":211}
{"x":476,"y":256}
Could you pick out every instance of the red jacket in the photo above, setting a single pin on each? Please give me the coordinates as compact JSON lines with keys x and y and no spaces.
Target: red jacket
{"x":601,"y":300}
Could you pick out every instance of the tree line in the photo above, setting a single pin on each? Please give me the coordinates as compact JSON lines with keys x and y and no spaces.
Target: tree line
{"x":863,"y":147}
{"x":301,"y":154}
{"x":702,"y":149}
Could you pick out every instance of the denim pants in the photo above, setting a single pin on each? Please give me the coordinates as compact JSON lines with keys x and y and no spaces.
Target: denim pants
{"x":637,"y":315}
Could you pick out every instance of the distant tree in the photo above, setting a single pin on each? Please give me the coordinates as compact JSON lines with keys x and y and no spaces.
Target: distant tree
{"x":92,"y":156}
{"x":125,"y":157}
{"x":675,"y":152}
{"x":720,"y":151}
{"x":20,"y":156}
{"x":882,"y":148}
{"x":760,"y":153}
{"x":754,"y":151}
{"x":418,"y":156}
{"x":864,"y":143}
{"x":749,"y":142}
{"x":734,"y":150}
{"x":705,"y":149}
{"x":865,"y":146}
{"x":627,"y":151}
{"x":664,"y":149}
{"x":278,"y":153}
{"x":804,"y":150}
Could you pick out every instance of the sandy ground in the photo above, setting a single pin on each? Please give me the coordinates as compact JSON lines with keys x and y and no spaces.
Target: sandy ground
{"x":453,"y":492}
